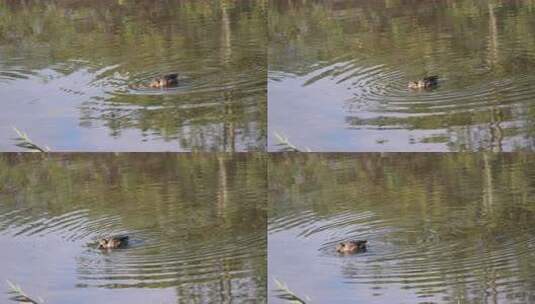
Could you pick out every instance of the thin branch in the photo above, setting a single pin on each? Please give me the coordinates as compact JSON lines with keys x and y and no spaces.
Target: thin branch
{"x":286,"y":145}
{"x":286,"y":294}
{"x":20,"y":296}
{"x":25,"y":142}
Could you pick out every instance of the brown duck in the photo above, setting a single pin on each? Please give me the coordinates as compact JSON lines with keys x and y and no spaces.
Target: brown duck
{"x":166,"y":81}
{"x":351,"y":247}
{"x":113,"y":242}
{"x":428,"y":82}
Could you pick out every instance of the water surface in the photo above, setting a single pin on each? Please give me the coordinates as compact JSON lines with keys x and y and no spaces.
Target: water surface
{"x":338,"y":75}
{"x":441,"y":228}
{"x":73,"y":75}
{"x":197,"y":227}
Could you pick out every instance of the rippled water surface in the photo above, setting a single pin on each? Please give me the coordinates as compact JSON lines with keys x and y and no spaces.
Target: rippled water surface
{"x":73,"y":74}
{"x":338,"y":75}
{"x":441,"y":228}
{"x":196,"y":226}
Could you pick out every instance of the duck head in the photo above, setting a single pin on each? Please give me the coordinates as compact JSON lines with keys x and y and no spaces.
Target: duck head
{"x":166,"y":81}
{"x":113,"y":242}
{"x":352,"y":246}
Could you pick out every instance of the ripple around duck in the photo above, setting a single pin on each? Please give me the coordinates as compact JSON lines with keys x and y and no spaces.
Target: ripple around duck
{"x":152,"y":259}
{"x":431,"y":266}
{"x":211,"y":73}
{"x":381,"y":91}
{"x":168,"y":262}
{"x":209,"y":83}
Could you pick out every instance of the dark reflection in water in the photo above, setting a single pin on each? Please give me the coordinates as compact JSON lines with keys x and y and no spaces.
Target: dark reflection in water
{"x":197,"y":227}
{"x":341,"y":69}
{"x":441,"y":228}
{"x":72,"y":74}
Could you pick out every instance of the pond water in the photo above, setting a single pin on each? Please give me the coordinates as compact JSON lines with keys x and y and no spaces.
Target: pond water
{"x":73,"y":75}
{"x":450,"y":228}
{"x":197,"y":227}
{"x":339,"y":70}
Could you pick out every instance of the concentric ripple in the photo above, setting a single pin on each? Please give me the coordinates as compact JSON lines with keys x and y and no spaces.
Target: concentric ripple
{"x":89,"y":72}
{"x":343,"y":70}
{"x":196,"y":224}
{"x":425,"y":241}
{"x":151,"y":260}
{"x":169,"y":262}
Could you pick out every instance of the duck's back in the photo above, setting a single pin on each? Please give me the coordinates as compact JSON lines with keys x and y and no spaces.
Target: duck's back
{"x":173,"y":76}
{"x":433,"y":78}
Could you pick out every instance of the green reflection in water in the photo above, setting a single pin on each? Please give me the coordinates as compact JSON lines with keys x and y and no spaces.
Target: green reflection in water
{"x":448,"y":228}
{"x":341,"y":69}
{"x":73,"y":68}
{"x":197,"y":227}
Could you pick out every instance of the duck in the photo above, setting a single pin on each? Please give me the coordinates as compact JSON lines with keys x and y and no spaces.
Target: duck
{"x":113,"y":242}
{"x":427,"y":82}
{"x":165,"y":81}
{"x":352,"y":246}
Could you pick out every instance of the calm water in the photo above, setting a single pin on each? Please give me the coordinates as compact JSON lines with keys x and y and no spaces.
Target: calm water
{"x":450,"y":228}
{"x":197,"y":227}
{"x":72,"y":74}
{"x":338,"y":75}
